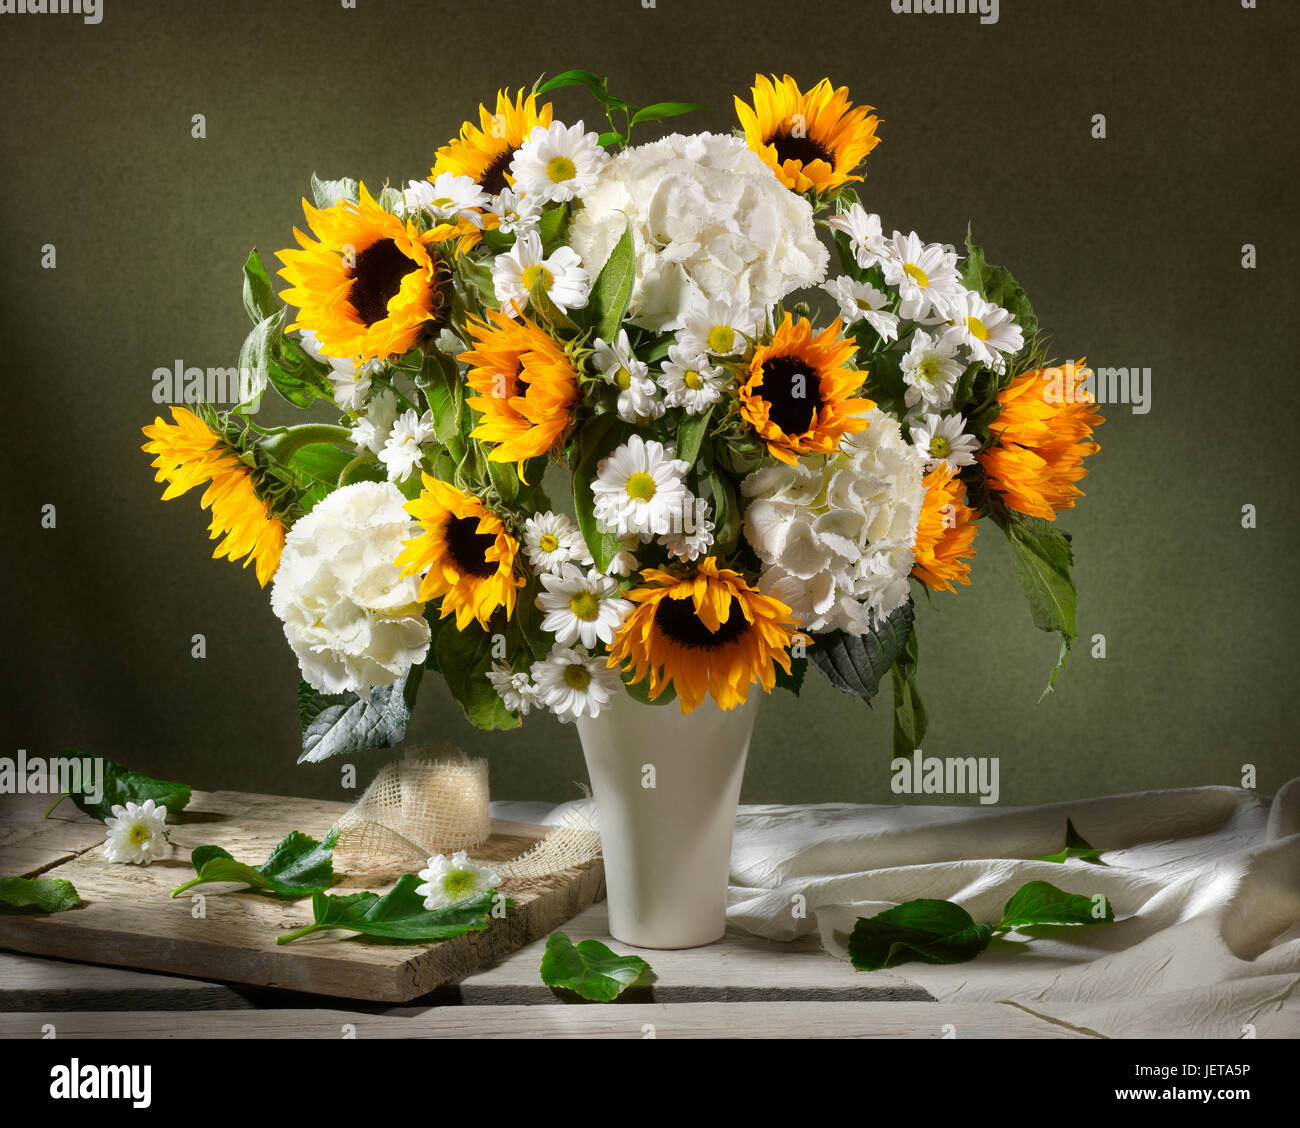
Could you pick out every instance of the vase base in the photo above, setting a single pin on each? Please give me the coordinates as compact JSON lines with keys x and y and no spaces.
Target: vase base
{"x":665,"y":946}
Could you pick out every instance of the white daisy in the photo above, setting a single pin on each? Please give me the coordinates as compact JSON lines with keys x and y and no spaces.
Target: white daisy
{"x":371,"y":433}
{"x":638,"y":394}
{"x":558,"y":163}
{"x":690,"y":381}
{"x":984,"y":328}
{"x":718,"y":326}
{"x":865,"y":236}
{"x":639,"y":489}
{"x":931,"y":369}
{"x":625,"y":561}
{"x":944,"y":439}
{"x":517,"y":214}
{"x":402,"y":453}
{"x":351,"y":381}
{"x":572,"y":684}
{"x":562,"y":275}
{"x":551,"y":539}
{"x":446,"y":199}
{"x":516,"y":690}
{"x":448,"y":881}
{"x":581,"y":607}
{"x":136,"y":833}
{"x":924,"y":274}
{"x":859,"y":301}
{"x":693,"y":542}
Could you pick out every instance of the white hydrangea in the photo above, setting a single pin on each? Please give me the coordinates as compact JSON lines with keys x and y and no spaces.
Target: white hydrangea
{"x":835,"y":533}
{"x":354,"y":621}
{"x":708,"y":217}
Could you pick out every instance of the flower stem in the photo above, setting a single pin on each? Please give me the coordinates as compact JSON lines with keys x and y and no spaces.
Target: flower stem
{"x":283,"y":445}
{"x":55,"y":804}
{"x":291,"y":936}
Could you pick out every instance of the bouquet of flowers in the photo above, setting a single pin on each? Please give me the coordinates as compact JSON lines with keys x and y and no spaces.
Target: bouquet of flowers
{"x":587,"y":434}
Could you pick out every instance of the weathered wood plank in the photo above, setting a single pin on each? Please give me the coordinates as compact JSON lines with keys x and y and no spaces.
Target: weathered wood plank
{"x":616,"y":1020}
{"x":31,"y":983}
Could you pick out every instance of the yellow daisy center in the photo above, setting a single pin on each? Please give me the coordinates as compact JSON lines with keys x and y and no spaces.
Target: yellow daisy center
{"x":577,"y":677}
{"x":940,"y":447}
{"x":864,"y":305}
{"x":693,"y":379}
{"x":585,"y":606}
{"x":559,"y":169}
{"x":916,"y":274}
{"x":929,"y":370}
{"x":533,"y":273}
{"x":139,"y":834}
{"x":549,"y":542}
{"x":458,"y":882}
{"x":623,"y":378}
{"x":722,"y":339}
{"x":977,"y":328}
{"x":641,"y":487}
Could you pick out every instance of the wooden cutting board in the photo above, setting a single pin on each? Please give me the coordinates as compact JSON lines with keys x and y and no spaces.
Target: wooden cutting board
{"x":129,"y":918}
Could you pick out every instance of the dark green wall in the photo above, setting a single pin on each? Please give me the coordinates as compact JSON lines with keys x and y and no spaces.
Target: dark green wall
{"x":1130,"y":248}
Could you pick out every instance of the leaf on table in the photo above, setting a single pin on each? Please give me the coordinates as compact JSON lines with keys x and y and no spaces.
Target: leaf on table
{"x":589,"y":968}
{"x":400,"y":914}
{"x":1075,"y":847}
{"x":1040,"y":902}
{"x":932,"y":930}
{"x":297,"y":866}
{"x":25,"y":895}
{"x":122,"y":785}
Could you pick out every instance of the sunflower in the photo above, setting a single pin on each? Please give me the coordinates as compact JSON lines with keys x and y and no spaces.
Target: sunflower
{"x":944,"y":533}
{"x":465,"y":552}
{"x":1044,"y":433}
{"x":798,"y":395}
{"x":484,"y":152}
{"x":527,"y":387}
{"x":707,"y":632}
{"x":367,"y":286}
{"x":813,"y":140}
{"x":188,"y":453}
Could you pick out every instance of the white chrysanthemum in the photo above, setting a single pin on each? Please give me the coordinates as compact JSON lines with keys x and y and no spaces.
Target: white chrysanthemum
{"x":402,"y":453}
{"x":931,"y":369}
{"x":859,"y":301}
{"x":516,"y":690}
{"x":572,"y":684}
{"x":625,"y":561}
{"x":987,"y":330}
{"x":352,"y":618}
{"x":835,"y":534}
{"x":581,"y":606}
{"x":944,"y":439}
{"x":448,"y":881}
{"x":562,"y":275}
{"x":448,"y":198}
{"x":638,"y":394}
{"x":866,"y":238}
{"x":136,"y":833}
{"x":639,"y":489}
{"x":924,"y":274}
{"x":708,"y":217}
{"x":517,"y":214}
{"x":693,"y":542}
{"x":551,"y":539}
{"x":558,"y":163}
{"x":371,"y":432}
{"x":690,"y":381}
{"x":718,"y":326}
{"x":350,"y":380}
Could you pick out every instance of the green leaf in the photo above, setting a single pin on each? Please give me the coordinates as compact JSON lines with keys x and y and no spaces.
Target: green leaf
{"x":541,"y":305}
{"x":690,"y":434}
{"x":478,"y":274}
{"x":585,"y":79}
{"x":327,"y":193}
{"x":24,"y":895}
{"x":1075,"y":847}
{"x":610,"y":137}
{"x":931,"y":930}
{"x":997,"y":286}
{"x":1040,"y":902}
{"x":793,"y":681}
{"x":398,"y":915}
{"x":122,"y":786}
{"x":612,"y":290}
{"x":595,"y":441}
{"x":259,"y":294}
{"x":273,"y":358}
{"x":856,"y":664}
{"x":297,"y":866}
{"x":1042,"y":556}
{"x":640,"y":690}
{"x":464,"y":657}
{"x":551,"y":227}
{"x":338,"y":724}
{"x":318,"y":466}
{"x":910,"y":718}
{"x":589,"y":968}
{"x":657,"y":111}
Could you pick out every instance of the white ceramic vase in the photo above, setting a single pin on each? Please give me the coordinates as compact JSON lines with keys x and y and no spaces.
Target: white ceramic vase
{"x":666,"y":788}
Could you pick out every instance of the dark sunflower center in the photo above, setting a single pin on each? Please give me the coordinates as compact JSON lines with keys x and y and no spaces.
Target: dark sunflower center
{"x":678,"y":622}
{"x":468,"y":548}
{"x":376,"y":278}
{"x":792,"y":394}
{"x":803,"y":149}
{"x":493,"y":178}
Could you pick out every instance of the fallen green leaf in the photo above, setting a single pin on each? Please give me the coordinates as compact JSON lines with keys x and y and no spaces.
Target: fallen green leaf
{"x":932,"y":930}
{"x":1040,"y":902}
{"x":589,"y":968}
{"x":297,"y":866}
{"x":122,"y":786}
{"x":24,"y":895}
{"x":1075,"y":847}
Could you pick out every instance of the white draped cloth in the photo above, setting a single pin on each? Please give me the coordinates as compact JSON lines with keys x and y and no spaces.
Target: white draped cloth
{"x":1204,"y":883}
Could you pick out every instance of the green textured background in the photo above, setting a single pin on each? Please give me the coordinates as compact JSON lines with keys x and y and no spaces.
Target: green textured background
{"x":1129,"y":247}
